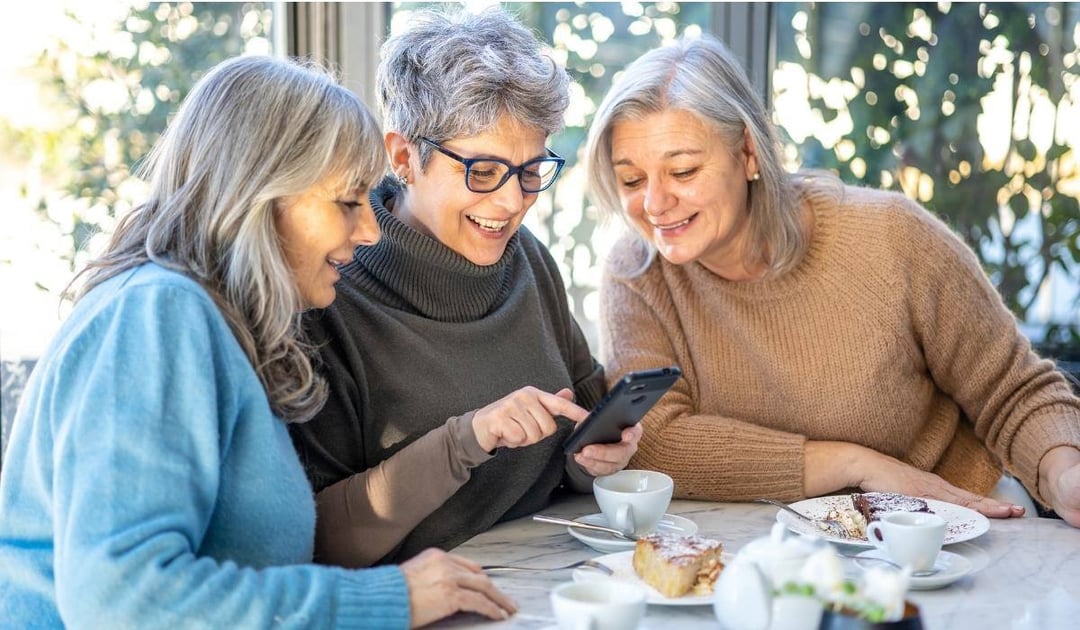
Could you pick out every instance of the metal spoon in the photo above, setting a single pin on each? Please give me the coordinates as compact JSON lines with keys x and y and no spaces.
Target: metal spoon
{"x":543,"y":518}
{"x":832,"y":526}
{"x":926,"y":573}
{"x":591,"y":564}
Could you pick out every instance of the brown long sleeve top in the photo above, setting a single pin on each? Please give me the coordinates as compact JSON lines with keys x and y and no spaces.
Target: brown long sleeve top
{"x":887,"y":334}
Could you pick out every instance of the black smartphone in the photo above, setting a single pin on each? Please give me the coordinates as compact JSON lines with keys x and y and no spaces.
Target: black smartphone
{"x":623,"y":406}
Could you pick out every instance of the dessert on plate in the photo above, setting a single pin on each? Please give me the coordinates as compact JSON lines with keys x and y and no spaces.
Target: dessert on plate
{"x":868,"y":507}
{"x":677,"y":565}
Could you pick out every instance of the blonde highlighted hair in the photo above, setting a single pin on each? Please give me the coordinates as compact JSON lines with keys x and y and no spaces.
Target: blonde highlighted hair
{"x":253,"y":131}
{"x":702,"y":77}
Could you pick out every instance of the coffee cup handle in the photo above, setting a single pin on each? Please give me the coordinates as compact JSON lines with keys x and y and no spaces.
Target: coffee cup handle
{"x":624,"y":518}
{"x":875,"y":535}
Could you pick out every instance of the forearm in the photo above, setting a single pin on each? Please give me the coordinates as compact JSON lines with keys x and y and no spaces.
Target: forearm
{"x":363,"y":517}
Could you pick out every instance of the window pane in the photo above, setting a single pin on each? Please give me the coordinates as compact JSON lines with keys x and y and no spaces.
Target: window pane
{"x":89,"y":87}
{"x":968,"y":108}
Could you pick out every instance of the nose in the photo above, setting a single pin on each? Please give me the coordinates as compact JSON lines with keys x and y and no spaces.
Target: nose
{"x":366,"y":231}
{"x":656,"y":200}
{"x":511,"y":197}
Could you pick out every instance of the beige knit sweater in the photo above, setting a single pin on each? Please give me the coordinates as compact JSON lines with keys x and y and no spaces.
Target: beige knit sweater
{"x":888,"y":334}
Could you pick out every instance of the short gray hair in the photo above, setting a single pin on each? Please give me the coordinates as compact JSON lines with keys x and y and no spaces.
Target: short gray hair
{"x":453,"y":73}
{"x":702,"y":77}
{"x":253,"y":131}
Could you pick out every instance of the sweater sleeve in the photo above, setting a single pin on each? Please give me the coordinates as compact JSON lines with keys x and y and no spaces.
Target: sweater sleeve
{"x":708,"y":456}
{"x":1021,"y":406}
{"x":137,"y":464}
{"x":363,"y":517}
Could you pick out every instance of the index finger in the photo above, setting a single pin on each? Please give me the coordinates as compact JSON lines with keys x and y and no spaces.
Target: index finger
{"x":558,"y":406}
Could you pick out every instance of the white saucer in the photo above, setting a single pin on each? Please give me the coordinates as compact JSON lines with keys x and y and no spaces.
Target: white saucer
{"x":610,"y":543}
{"x":950,"y":568}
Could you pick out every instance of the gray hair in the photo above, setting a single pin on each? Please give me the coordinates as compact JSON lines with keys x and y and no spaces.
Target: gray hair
{"x":702,"y":77}
{"x":455,"y":73}
{"x":253,"y":131}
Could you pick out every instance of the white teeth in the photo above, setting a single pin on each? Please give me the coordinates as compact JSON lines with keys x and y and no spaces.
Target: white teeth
{"x":672,"y":225}
{"x":488,"y":224}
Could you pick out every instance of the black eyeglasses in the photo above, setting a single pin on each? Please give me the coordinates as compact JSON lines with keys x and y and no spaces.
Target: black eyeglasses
{"x":484,"y":175}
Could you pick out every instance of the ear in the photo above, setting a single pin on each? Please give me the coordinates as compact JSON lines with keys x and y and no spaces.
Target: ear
{"x":399,"y":150}
{"x":749,"y":155}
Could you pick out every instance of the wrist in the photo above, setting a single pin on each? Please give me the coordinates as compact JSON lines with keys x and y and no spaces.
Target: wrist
{"x":1056,"y":461}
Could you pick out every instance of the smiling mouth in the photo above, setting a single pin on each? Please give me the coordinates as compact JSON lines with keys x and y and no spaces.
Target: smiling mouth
{"x":488,"y":225}
{"x":673,"y":226}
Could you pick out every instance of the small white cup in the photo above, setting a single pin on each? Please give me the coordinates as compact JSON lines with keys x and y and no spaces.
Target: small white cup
{"x":910,"y":539}
{"x":598,"y":605}
{"x":633,"y":500}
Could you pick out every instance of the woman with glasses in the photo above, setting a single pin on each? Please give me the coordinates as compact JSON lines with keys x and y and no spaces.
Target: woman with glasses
{"x":456,"y":369}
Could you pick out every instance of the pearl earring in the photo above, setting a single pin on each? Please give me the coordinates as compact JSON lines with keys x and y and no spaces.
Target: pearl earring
{"x":755,"y":177}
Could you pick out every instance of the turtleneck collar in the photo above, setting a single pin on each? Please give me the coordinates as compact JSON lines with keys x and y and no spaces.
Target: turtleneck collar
{"x":414,"y":272}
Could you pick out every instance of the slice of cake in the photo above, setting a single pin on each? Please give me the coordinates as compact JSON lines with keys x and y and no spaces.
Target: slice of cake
{"x":677,"y":565}
{"x":873,"y":504}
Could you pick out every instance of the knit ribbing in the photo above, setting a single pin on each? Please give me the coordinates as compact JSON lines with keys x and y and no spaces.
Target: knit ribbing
{"x":414,"y":272}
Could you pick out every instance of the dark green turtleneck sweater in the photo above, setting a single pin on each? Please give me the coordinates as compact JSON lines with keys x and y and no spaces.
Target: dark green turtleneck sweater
{"x":417,"y":340}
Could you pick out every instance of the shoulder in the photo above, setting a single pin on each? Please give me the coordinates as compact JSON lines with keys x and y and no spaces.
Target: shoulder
{"x":630,"y":257}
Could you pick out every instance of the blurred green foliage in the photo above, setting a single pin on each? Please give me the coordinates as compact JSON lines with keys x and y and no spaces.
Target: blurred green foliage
{"x":916,"y":79}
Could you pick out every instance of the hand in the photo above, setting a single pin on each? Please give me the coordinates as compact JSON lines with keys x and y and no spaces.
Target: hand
{"x":831,"y":466}
{"x":882,"y":473}
{"x":524,"y":417}
{"x":604,"y":459}
{"x":1059,"y":482}
{"x":441,"y":584}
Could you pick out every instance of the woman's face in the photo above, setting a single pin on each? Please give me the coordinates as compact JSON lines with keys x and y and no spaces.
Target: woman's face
{"x":437,"y":202}
{"x":318,"y":230}
{"x":684,"y":188}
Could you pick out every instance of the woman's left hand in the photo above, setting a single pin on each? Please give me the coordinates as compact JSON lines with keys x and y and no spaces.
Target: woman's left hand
{"x":1059,"y":482}
{"x":604,"y":459}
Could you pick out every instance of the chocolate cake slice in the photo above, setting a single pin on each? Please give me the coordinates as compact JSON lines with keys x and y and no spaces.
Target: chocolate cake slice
{"x":873,"y":504}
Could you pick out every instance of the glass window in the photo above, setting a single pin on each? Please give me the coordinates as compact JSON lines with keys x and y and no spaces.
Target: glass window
{"x":88,"y":89}
{"x":969,"y":108}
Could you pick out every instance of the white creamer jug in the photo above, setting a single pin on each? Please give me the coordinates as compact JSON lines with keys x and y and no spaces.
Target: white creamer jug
{"x":750,"y":592}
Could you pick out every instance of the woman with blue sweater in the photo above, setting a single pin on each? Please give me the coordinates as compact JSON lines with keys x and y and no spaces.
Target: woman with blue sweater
{"x":150,"y":479}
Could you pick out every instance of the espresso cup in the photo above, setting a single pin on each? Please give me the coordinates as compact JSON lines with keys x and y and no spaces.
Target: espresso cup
{"x":633,"y":501}
{"x":910,"y":539}
{"x":598,"y":605}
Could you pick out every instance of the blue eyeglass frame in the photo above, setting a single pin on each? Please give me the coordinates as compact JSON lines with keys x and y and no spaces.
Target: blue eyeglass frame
{"x":511,"y":170}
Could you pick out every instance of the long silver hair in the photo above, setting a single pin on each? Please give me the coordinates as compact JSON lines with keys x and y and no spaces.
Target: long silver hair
{"x":703,"y":77}
{"x":253,"y":131}
{"x":453,"y":73}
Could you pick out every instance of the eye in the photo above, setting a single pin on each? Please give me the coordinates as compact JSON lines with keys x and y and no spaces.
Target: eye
{"x":630,"y":183}
{"x":350,"y":206}
{"x":683,"y":174}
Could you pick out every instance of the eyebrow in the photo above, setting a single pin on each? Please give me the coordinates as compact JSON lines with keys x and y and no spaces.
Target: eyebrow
{"x":667,"y":156}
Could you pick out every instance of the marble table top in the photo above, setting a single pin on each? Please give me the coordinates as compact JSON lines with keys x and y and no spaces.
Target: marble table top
{"x":1026,"y":577}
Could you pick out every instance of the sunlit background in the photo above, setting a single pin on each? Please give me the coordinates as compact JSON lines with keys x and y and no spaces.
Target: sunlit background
{"x":968,"y":108}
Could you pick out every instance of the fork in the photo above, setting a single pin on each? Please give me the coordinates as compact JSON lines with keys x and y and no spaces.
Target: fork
{"x":834,"y":527}
{"x":590,"y":563}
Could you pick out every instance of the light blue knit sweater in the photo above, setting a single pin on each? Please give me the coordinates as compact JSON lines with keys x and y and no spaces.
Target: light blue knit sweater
{"x":148,"y":484}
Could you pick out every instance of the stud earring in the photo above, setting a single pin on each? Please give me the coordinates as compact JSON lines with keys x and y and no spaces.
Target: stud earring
{"x":755,"y":177}
{"x":403,"y":180}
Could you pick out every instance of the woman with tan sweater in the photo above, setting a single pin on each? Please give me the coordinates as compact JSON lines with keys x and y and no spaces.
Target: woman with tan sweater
{"x":830,"y":337}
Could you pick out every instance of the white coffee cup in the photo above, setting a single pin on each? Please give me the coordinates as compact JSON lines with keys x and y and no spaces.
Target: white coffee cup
{"x":910,"y":539}
{"x":633,"y":500}
{"x":598,"y":605}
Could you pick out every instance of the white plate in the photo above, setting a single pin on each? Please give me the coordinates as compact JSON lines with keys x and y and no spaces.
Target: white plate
{"x":963,"y":523}
{"x":622,"y":564}
{"x":608,"y":543}
{"x":950,"y":568}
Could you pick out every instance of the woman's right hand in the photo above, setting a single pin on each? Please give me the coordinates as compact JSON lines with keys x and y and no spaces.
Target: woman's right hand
{"x":441,"y":584}
{"x":852,"y":465}
{"x":523,"y":417}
